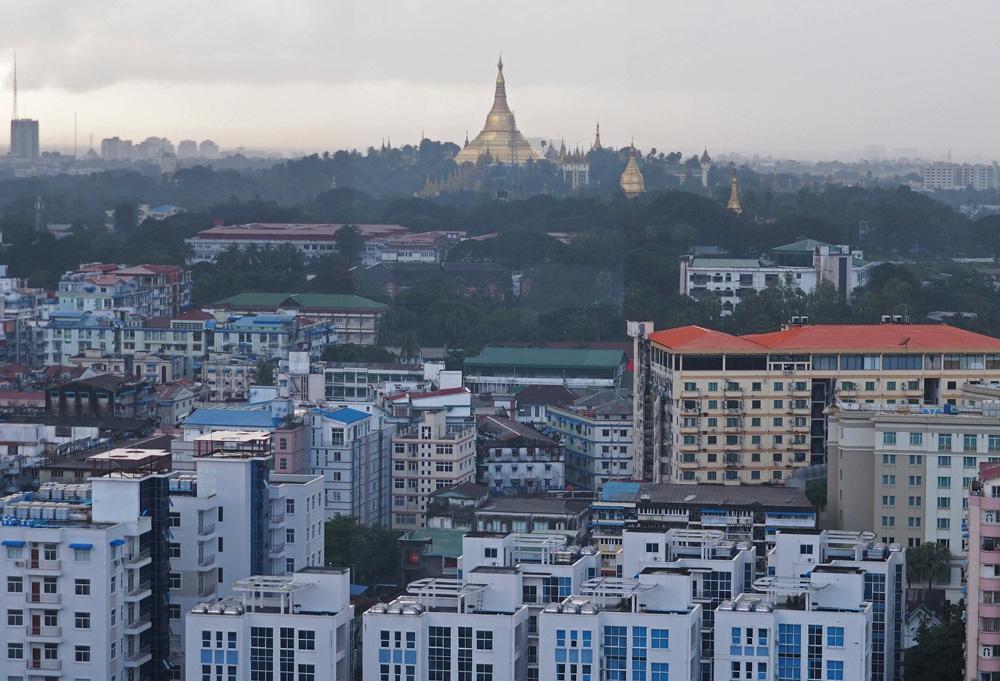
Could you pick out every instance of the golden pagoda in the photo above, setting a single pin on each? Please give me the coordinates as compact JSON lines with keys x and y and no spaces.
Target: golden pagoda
{"x":734,"y":197}
{"x":631,"y":181}
{"x":500,"y":138}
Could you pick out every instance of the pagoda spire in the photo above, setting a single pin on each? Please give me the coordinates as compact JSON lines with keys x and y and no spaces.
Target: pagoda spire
{"x":597,"y":138}
{"x":734,"y":205}
{"x":631,"y":181}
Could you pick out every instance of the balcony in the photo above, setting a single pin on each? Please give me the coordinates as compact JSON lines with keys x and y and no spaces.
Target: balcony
{"x":138,"y":590}
{"x":206,"y":559}
{"x":137,"y":656}
{"x":207,"y":588}
{"x":44,"y":665}
{"x":138,"y":623}
{"x":32,"y":631}
{"x":46,"y":599}
{"x":36,"y":564}
{"x":206,"y":528}
{"x":277,"y":548}
{"x":277,"y":517}
{"x":137,"y":559}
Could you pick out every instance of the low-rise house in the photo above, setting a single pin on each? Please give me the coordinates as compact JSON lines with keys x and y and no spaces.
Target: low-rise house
{"x":513,"y":458}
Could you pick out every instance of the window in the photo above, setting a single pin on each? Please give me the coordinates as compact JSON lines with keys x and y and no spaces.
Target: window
{"x":659,"y":671}
{"x":943,"y":481}
{"x":307,"y":640}
{"x":916,"y":439}
{"x":290,"y":506}
{"x":81,"y":587}
{"x":174,"y":520}
{"x":490,"y":552}
{"x":15,"y":585}
{"x":993,"y":442}
{"x":15,"y":618}
{"x":175,"y":580}
{"x":835,"y":670}
{"x":970,"y":442}
{"x":944,"y":523}
{"x":81,"y":653}
{"x":484,"y":672}
{"x":652,"y":547}
{"x":660,"y":638}
{"x":174,"y":549}
{"x":289,"y":536}
{"x":15,"y":651}
{"x":889,"y":438}
{"x":968,"y":462}
{"x":888,"y":459}
{"x":307,"y":672}
{"x":81,"y":620}
{"x":944,"y":442}
{"x":484,"y":640}
{"x":835,"y":637}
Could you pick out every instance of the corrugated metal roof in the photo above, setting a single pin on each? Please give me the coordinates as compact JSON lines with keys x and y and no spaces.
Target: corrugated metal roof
{"x":316,"y":301}
{"x":343,"y":415}
{"x":548,"y":358}
{"x":244,"y":418}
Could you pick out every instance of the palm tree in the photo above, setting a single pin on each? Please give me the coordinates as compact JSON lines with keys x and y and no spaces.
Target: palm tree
{"x":930,"y":561}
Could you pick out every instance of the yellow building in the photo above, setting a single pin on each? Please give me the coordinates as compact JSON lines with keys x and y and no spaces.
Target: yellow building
{"x":713,"y":407}
{"x":499,"y":141}
{"x":631,"y":181}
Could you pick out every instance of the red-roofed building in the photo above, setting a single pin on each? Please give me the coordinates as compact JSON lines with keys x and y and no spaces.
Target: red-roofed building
{"x":713,"y":407}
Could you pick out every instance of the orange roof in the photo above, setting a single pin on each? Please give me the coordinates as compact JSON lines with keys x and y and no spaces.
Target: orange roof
{"x":698,"y":338}
{"x":900,"y":338}
{"x":877,"y":338}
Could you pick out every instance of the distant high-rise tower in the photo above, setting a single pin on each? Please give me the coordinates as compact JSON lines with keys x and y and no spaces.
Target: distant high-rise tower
{"x":23,"y":131}
{"x":187,"y":149}
{"x":208,"y":149}
{"x":706,"y":165}
{"x":734,"y":205}
{"x":631,"y":181}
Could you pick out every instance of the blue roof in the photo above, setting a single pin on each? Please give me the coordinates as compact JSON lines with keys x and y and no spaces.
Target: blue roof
{"x":243,"y":418}
{"x":616,"y":490}
{"x":344,"y":414}
{"x":358,"y":589}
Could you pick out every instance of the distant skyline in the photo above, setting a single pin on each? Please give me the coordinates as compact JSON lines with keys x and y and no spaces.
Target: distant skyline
{"x":782,"y":78}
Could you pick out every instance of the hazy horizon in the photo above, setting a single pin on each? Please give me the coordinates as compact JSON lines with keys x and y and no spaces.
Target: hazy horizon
{"x":772,"y":77}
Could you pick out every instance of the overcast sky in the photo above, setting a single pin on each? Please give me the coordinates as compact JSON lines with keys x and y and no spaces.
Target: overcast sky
{"x":790,"y":78}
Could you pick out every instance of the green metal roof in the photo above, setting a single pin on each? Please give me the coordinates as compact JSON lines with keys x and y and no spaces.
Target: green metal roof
{"x":547,"y":358}
{"x":724,"y":263}
{"x":444,"y":542}
{"x":317,"y":301}
{"x":801,"y":246}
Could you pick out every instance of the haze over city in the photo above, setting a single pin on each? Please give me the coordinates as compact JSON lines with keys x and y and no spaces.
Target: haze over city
{"x":775,"y":77}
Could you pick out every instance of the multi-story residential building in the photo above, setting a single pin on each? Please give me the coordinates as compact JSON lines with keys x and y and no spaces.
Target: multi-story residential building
{"x":596,"y":431}
{"x":562,"y":514}
{"x":982,"y":606}
{"x":476,"y":627}
{"x":513,"y":458}
{"x":149,"y":290}
{"x":233,"y":518}
{"x":815,"y":627}
{"x":360,"y":381}
{"x":713,"y":407}
{"x":501,"y":370}
{"x":86,"y":571}
{"x":950,"y":176}
{"x":530,"y":403}
{"x":305,"y":616}
{"x":753,"y":514}
{"x":139,"y":367}
{"x":407,"y":407}
{"x":29,"y":447}
{"x":551,"y":570}
{"x":425,"y":458}
{"x":906,"y":473}
{"x":802,"y":265}
{"x":312,"y":240}
{"x":351,"y":450}
{"x":354,"y":318}
{"x":884,"y":583}
{"x":102,"y":396}
{"x":228,"y":377}
{"x":644,"y":628}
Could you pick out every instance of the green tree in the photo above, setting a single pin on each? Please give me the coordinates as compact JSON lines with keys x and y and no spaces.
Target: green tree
{"x":265,"y":373}
{"x":349,"y":243}
{"x":372,"y":553}
{"x":349,"y":352}
{"x":939,"y":654}
{"x":816,"y":493}
{"x":930,"y":561}
{"x":126,"y":217}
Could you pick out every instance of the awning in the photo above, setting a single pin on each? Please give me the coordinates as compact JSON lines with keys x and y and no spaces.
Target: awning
{"x":12,"y":542}
{"x":117,"y":542}
{"x":81,"y":547}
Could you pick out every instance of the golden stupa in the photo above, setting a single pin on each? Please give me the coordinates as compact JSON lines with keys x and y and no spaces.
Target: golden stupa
{"x":500,"y":139}
{"x":631,"y":181}
{"x":734,"y":205}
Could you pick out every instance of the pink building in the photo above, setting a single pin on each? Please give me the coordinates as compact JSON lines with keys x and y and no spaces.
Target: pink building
{"x":982,"y":633}
{"x":289,"y":450}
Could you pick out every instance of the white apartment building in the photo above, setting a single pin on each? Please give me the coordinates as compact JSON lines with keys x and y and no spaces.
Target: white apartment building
{"x":233,"y":518}
{"x":514,"y":458}
{"x":85,"y":574}
{"x":713,"y":407}
{"x":425,"y":458}
{"x":907,"y":474}
{"x":350,"y":450}
{"x":883,"y":567}
{"x":733,"y":279}
{"x":295,"y":626}
{"x":949,"y":176}
{"x":814,"y":627}
{"x":645,"y":628}
{"x":476,"y":628}
{"x":552,"y":569}
{"x":596,"y":432}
